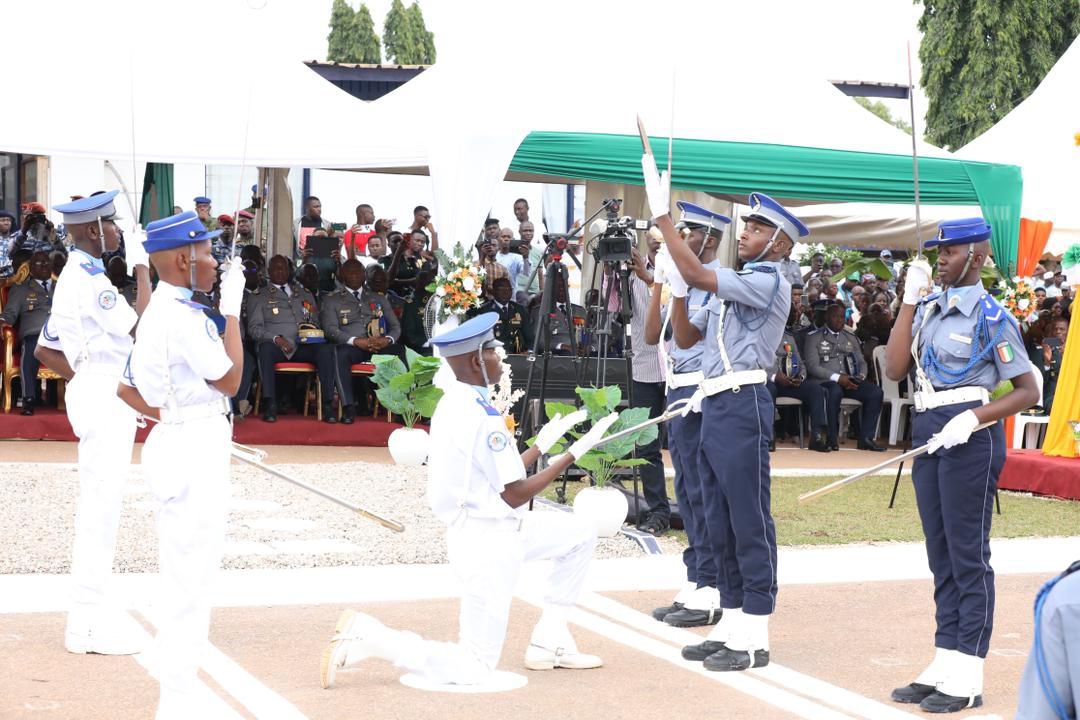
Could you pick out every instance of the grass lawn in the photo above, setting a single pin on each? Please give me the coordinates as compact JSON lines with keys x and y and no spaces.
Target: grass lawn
{"x":860,"y":513}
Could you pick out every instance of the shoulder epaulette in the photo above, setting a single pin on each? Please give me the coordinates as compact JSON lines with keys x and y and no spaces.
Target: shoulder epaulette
{"x":992,"y":311}
{"x":192,"y":304}
{"x":90,"y":268}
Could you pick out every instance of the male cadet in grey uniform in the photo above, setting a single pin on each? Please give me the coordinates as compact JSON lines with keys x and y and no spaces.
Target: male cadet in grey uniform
{"x":963,"y":344}
{"x":477,"y":485}
{"x":513,"y":329}
{"x":834,"y":358}
{"x":359,"y":323}
{"x":788,"y":379}
{"x":28,"y":306}
{"x":698,"y":603}
{"x":182,"y":374}
{"x":741,"y":328}
{"x":93,"y":328}
{"x":275,"y":314}
{"x":1050,"y":686}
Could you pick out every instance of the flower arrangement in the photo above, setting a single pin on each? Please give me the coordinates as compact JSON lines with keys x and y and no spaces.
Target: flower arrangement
{"x":502,"y":397}
{"x":1018,"y":297}
{"x":1075,"y":425}
{"x":458,"y":283}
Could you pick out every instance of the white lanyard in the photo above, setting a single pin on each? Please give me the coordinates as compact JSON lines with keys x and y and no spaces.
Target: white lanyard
{"x":720,"y":338}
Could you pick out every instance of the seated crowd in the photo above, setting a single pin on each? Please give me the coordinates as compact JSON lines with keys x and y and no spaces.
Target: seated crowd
{"x":362,"y":291}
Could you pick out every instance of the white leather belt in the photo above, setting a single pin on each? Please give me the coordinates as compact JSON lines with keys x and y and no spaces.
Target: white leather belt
{"x":195,"y":412}
{"x":680,"y":380}
{"x":733,"y":381}
{"x":505,"y":524}
{"x":941,"y":398}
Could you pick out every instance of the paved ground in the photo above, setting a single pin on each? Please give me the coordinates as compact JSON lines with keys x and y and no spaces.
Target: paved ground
{"x":852,"y":622}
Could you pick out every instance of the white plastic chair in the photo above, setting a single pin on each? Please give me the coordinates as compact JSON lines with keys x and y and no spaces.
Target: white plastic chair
{"x":1022,"y":424}
{"x":898,"y":405}
{"x":797,"y":404}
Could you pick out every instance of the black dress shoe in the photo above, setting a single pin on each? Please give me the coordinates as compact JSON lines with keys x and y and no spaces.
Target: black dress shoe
{"x":693,"y":618}
{"x":728,"y":660}
{"x":772,"y":445}
{"x":270,"y":411}
{"x":818,"y":444}
{"x":702,"y":650}
{"x":913,"y":693}
{"x":662,"y":612}
{"x":328,"y":415}
{"x":348,"y":414}
{"x":28,"y":406}
{"x":939,"y":702}
{"x":869,"y":445}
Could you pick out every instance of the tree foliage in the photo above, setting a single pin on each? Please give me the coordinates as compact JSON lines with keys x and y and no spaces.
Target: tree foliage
{"x":352,"y":37}
{"x":981,"y":58}
{"x":406,"y":37}
{"x":878,"y":108}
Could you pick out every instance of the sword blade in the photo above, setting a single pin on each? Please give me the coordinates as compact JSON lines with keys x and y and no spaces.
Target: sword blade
{"x":673,"y":411}
{"x":644,"y":136}
{"x":833,"y":486}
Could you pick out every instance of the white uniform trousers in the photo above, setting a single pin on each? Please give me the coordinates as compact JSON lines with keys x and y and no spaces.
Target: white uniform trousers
{"x":105,"y":426}
{"x":487,"y":561}
{"x":187,"y":468}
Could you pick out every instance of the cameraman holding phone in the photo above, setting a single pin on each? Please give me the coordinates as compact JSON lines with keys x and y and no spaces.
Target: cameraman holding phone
{"x":834,"y":358}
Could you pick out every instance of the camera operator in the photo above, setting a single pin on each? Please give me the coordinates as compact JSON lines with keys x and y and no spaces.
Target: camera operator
{"x":531,"y":257}
{"x":649,"y":390}
{"x":38,"y":233}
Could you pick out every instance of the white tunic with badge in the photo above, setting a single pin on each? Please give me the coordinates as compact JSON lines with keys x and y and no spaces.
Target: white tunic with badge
{"x":178,"y":351}
{"x":92,"y":321}
{"x":473,"y":457}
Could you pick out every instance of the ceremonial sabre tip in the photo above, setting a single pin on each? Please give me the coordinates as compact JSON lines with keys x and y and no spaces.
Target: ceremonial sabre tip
{"x":644,"y":136}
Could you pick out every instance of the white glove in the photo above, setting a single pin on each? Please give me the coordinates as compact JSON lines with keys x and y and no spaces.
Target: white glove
{"x":956,"y":432}
{"x":232,"y":288}
{"x":589,"y":440}
{"x":694,"y":403}
{"x":674,"y":279}
{"x":556,"y":427}
{"x":657,"y":187}
{"x":659,"y":272}
{"x":133,"y":248}
{"x":917,"y":282}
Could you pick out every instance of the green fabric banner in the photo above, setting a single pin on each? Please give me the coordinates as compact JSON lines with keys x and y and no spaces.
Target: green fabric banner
{"x":785,"y":171}
{"x":157,"y":199}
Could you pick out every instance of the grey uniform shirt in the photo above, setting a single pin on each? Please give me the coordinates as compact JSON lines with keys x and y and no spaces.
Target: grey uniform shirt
{"x":272,"y":312}
{"x":346,"y":317}
{"x":1059,"y":626}
{"x":788,"y":360}
{"x":688,"y":360}
{"x":29,"y":304}
{"x":958,"y":327}
{"x":757,"y":300}
{"x":830,"y":355}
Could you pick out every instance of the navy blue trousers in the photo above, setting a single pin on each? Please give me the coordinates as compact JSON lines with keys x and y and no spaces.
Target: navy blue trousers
{"x":813,"y":399}
{"x":734,"y":463}
{"x":684,"y":440}
{"x":869,"y":394}
{"x":955,"y":492}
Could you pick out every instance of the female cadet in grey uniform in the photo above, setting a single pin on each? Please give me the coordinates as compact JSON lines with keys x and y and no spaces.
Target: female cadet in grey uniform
{"x":963,"y":344}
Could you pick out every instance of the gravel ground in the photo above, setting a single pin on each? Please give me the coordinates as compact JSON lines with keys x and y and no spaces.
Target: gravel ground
{"x":272,"y":524}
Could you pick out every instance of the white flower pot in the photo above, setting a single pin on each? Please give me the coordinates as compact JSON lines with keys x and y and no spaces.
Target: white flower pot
{"x":604,"y":508}
{"x":409,"y":446}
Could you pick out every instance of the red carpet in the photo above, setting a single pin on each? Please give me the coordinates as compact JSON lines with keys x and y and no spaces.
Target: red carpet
{"x":50,"y":424}
{"x":1031,"y":471}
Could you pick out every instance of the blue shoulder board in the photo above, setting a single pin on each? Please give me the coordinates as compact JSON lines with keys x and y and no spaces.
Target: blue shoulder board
{"x":992,"y":311}
{"x":487,"y":408}
{"x":192,"y":304}
{"x":91,"y":268}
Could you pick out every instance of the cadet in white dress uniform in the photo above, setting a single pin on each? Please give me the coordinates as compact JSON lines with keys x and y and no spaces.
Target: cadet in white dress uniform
{"x":477,"y":485}
{"x":92,"y":326}
{"x":183,"y":373}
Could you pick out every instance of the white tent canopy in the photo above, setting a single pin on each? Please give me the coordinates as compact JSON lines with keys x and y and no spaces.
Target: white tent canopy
{"x":1038,"y":135}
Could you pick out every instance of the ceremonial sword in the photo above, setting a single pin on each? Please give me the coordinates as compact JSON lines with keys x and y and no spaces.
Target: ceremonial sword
{"x":674,"y":410}
{"x":904,"y":457}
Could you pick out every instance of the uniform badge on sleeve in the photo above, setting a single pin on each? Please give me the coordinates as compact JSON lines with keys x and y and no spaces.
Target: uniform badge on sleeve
{"x":497,"y":441}
{"x":1004,"y":352}
{"x":107,"y":299}
{"x":211,"y":329}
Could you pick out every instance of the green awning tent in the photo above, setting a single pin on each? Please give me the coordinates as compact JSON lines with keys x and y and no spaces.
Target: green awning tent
{"x":787,"y":172}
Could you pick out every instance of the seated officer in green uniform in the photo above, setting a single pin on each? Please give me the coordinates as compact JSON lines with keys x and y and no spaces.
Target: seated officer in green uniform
{"x":28,"y":305}
{"x":359,"y":323}
{"x":513,"y":328}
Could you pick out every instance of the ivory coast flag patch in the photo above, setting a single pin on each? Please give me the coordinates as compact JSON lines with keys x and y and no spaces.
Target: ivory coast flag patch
{"x":1004,"y":352}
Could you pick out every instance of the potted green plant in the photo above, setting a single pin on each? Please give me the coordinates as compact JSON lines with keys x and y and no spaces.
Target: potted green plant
{"x":605,"y":506}
{"x":407,"y":392}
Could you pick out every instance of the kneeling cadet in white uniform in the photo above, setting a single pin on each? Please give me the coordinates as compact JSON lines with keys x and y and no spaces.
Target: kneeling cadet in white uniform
{"x":477,"y":485}
{"x":181,"y":373}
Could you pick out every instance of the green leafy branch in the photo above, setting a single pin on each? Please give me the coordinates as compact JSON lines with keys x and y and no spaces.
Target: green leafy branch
{"x":407,"y":392}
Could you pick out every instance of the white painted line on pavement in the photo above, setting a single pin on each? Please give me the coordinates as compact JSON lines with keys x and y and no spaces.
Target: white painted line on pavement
{"x":785,"y":677}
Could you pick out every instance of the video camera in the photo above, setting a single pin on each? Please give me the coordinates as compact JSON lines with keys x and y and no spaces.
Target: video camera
{"x":615,"y":235}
